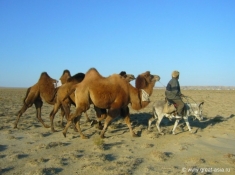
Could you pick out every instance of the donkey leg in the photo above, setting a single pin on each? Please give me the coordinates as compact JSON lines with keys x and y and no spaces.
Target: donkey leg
{"x":150,"y":122}
{"x":175,"y":125}
{"x":187,"y":123}
{"x":158,"y":125}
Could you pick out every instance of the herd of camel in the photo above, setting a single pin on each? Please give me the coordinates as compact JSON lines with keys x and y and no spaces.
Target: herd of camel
{"x":110,"y":96}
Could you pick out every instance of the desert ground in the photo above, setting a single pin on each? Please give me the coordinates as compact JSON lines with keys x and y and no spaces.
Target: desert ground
{"x":33,"y":149}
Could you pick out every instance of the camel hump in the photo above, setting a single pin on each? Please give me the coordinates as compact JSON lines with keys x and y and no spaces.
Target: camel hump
{"x":44,"y":75}
{"x":93,"y":73}
{"x":65,"y":76}
{"x":77,"y":77}
{"x":45,"y":79}
{"x":66,"y":71}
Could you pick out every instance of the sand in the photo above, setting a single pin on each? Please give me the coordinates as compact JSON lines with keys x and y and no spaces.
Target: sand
{"x":33,"y":149}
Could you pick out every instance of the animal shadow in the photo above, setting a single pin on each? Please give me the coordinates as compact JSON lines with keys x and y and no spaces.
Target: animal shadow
{"x":210,"y":122}
{"x":3,"y":147}
{"x":140,"y":119}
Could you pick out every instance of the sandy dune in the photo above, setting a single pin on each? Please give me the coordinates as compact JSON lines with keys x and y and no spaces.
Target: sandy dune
{"x":33,"y":149}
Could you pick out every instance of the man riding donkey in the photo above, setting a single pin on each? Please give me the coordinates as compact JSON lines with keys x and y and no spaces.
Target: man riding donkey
{"x":173,"y":94}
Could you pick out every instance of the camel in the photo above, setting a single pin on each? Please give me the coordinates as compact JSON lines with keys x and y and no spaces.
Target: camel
{"x":65,"y":103}
{"x":43,"y":90}
{"x":113,"y":93}
{"x":102,"y":113}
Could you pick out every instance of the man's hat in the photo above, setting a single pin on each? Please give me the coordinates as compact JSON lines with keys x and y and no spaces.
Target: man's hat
{"x":175,"y":73}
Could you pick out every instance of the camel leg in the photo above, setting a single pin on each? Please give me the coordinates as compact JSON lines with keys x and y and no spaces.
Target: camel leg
{"x":126,"y":114}
{"x":128,"y":122}
{"x":101,"y":114}
{"x":87,"y":117}
{"x":66,"y":107}
{"x":106,"y":124}
{"x":52,"y":115}
{"x":66,"y":127}
{"x":175,"y":125}
{"x":77,"y":124}
{"x":62,"y":114}
{"x":66,"y":110}
{"x":21,"y":111}
{"x":38,"y":105}
{"x":187,"y":123}
{"x":72,"y":118}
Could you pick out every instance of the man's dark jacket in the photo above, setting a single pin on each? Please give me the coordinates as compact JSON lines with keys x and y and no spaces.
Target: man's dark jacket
{"x":173,"y":90}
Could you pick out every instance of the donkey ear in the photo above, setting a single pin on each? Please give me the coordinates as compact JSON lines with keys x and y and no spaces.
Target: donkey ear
{"x":202,"y":102}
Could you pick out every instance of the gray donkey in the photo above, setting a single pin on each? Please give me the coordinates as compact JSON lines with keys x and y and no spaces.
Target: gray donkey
{"x":190,"y":109}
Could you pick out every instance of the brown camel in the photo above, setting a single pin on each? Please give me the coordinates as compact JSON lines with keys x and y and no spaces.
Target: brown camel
{"x":113,"y":93}
{"x":102,"y":113}
{"x":65,"y":103}
{"x":43,"y":90}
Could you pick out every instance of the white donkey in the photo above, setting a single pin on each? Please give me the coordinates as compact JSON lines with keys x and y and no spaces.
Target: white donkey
{"x":191,"y":109}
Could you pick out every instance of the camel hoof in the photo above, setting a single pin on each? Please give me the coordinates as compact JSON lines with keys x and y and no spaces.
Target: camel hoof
{"x":47,"y":126}
{"x":100,"y":127}
{"x":102,"y":136}
{"x":134,"y":135}
{"x":64,"y":134}
{"x":84,"y":137}
{"x":53,"y":130}
{"x":162,"y":133}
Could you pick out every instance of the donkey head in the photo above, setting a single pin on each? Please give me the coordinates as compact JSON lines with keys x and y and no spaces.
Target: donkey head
{"x":198,"y":113}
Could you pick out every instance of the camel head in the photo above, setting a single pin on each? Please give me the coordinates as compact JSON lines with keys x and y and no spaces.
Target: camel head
{"x":128,"y":77}
{"x":144,"y":79}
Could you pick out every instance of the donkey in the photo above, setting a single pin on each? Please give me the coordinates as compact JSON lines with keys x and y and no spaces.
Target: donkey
{"x":190,"y":109}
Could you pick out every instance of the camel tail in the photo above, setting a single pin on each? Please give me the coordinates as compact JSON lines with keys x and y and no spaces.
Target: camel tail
{"x":26,"y":95}
{"x":54,"y":95}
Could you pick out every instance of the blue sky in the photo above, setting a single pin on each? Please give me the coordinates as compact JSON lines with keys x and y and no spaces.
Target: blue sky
{"x":195,"y":37}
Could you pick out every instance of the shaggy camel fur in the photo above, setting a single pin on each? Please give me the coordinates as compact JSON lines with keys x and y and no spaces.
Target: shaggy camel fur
{"x":113,"y":93}
{"x":102,"y":113}
{"x":43,"y":90}
{"x":65,"y":103}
